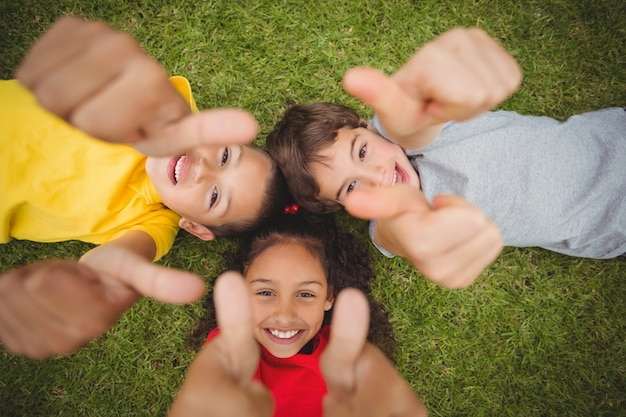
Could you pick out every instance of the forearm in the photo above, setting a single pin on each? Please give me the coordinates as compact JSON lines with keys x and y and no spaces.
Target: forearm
{"x":420,"y":139}
{"x":135,"y":241}
{"x":411,"y":140}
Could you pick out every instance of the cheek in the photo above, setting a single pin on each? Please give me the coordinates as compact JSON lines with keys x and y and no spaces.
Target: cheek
{"x":386,"y":150}
{"x":260,"y":312}
{"x":176,"y":201}
{"x":156,"y":168}
{"x":315,"y":315}
{"x":190,"y":202}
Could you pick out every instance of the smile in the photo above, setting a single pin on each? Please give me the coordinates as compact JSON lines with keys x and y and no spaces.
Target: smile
{"x":178,"y":168}
{"x":399,"y":175}
{"x":283,"y":335}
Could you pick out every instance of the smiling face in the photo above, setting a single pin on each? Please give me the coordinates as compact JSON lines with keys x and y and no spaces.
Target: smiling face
{"x":360,"y":157}
{"x":290,"y":294}
{"x":212,"y":186}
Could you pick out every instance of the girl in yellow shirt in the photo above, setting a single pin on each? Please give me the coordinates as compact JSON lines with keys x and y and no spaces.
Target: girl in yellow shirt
{"x":60,"y":183}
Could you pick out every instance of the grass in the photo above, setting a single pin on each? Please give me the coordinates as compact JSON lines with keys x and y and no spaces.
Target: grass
{"x":538,"y":334}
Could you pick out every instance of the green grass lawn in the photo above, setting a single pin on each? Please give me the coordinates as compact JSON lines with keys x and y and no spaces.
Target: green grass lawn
{"x":539,"y":334}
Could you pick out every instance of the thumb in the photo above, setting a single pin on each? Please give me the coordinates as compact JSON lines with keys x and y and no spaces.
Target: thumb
{"x":210,"y":127}
{"x":447,"y":200}
{"x":385,"y":202}
{"x":234,"y":318}
{"x":158,"y":282}
{"x":401,"y":112}
{"x":372,"y":87}
{"x":348,"y":333}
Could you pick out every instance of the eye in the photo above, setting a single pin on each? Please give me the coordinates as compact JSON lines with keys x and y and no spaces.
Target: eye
{"x":362,"y":152}
{"x":306,"y":295}
{"x":265,"y":293}
{"x":351,"y":186}
{"x":224,"y":157}
{"x":214,"y":196}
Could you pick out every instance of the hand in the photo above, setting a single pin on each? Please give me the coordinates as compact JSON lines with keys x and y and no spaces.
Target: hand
{"x":450,"y":243}
{"x":457,"y":76}
{"x":360,"y":379}
{"x":102,"y":82}
{"x":54,"y":307}
{"x":219,"y":380}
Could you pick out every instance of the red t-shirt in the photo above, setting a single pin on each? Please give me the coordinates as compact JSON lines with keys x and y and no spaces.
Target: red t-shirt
{"x":296,"y":383}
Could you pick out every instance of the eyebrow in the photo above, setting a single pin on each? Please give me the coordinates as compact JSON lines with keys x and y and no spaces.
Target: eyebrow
{"x":352,"y":143}
{"x":269,"y":281}
{"x":233,"y":164}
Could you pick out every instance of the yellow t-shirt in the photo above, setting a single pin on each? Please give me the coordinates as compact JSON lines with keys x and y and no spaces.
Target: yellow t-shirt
{"x":59,"y":184}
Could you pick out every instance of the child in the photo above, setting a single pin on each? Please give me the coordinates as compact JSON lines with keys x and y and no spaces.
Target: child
{"x":208,"y":190}
{"x":359,"y":379}
{"x":61,"y":184}
{"x":555,"y":185}
{"x":294,"y":271}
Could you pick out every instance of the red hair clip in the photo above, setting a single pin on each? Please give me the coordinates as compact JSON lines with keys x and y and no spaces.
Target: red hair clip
{"x":291,"y":209}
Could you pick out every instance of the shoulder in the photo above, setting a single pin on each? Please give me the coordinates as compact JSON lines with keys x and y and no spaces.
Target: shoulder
{"x":182,"y":85}
{"x":212,"y":335}
{"x":323,"y":336}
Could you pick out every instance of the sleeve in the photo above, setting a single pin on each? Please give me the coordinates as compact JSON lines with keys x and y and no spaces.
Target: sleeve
{"x":163,"y":235}
{"x":378,"y":128}
{"x":160,"y":225}
{"x":184,"y":88}
{"x":380,"y":249}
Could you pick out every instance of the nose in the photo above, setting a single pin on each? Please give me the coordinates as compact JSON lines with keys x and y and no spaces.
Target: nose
{"x":203,"y":171}
{"x":285,"y":312}
{"x":372,"y":176}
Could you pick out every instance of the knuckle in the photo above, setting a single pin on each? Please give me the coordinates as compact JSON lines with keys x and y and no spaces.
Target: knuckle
{"x":123,"y":44}
{"x":437,"y":273}
{"x":10,"y":281}
{"x":96,"y":322}
{"x":36,"y":352}
{"x":478,"y":33}
{"x":65,"y":346}
{"x":420,"y":250}
{"x":430,"y":52}
{"x":51,"y":96}
{"x":38,"y":277}
{"x":458,"y":32}
{"x":455,"y":281}
{"x":97,"y":26}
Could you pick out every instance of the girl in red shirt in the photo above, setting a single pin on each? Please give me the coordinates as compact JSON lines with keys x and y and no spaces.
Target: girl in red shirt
{"x":293,"y":270}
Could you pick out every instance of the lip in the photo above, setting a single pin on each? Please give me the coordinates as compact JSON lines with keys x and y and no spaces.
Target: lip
{"x":171,"y":168}
{"x":280,"y":341}
{"x":401,"y":175}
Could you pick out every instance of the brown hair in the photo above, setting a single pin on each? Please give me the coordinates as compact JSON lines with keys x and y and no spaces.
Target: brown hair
{"x":296,"y":142}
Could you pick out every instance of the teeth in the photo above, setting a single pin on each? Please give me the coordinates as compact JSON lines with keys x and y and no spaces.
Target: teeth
{"x":395,"y":177}
{"x":178,"y":166}
{"x":284,"y":335}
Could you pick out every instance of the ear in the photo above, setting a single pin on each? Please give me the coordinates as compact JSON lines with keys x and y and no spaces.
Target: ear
{"x":196,"y":229}
{"x":367,"y":125}
{"x":329,"y":302}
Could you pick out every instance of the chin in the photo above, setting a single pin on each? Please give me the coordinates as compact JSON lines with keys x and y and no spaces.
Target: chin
{"x":283,"y":353}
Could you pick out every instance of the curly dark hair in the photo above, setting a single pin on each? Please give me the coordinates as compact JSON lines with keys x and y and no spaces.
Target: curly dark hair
{"x":296,"y":141}
{"x":346,"y":261}
{"x":276,"y":197}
